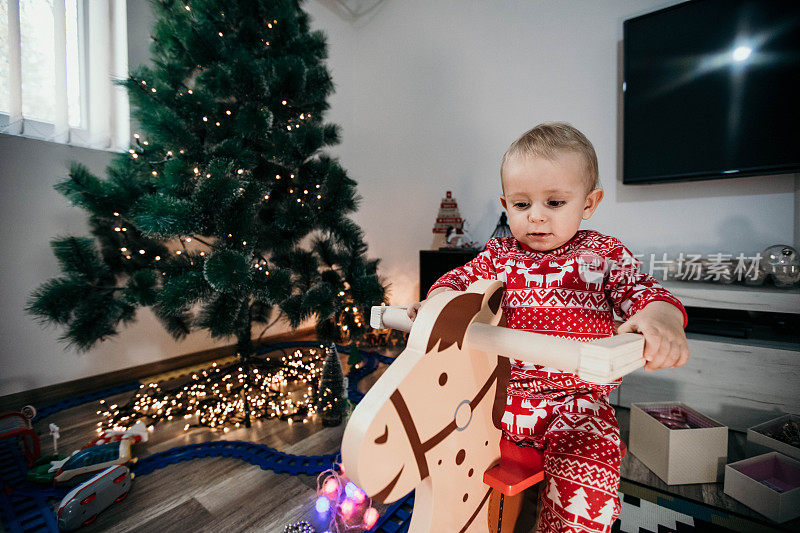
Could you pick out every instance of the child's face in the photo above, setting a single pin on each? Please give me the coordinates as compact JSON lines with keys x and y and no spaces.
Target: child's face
{"x":546,"y":200}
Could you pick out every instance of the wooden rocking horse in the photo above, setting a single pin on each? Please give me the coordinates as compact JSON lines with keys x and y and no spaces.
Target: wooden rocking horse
{"x":432,"y":422}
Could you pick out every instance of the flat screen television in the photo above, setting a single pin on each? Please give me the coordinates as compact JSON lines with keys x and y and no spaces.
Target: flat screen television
{"x":712,"y":90}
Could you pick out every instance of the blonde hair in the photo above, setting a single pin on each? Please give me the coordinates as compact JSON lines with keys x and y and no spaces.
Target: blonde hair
{"x":548,"y":139}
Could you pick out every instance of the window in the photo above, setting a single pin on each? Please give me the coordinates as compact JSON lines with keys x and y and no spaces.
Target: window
{"x":58,"y":63}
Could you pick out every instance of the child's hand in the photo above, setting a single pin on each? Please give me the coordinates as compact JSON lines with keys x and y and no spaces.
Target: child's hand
{"x":665,"y":345}
{"x":413,"y":309}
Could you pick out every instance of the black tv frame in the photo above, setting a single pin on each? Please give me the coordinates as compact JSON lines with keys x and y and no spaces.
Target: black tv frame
{"x":687,"y":176}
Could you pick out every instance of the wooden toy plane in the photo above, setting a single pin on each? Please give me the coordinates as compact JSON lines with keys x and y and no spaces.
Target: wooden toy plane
{"x":431,"y":423}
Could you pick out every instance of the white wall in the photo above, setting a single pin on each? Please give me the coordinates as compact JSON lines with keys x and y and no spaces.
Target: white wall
{"x":442,"y":88}
{"x":32,"y":214}
{"x":429,"y":95}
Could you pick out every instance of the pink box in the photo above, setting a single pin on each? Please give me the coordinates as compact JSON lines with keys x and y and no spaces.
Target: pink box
{"x":769,"y":484}
{"x":678,"y":456}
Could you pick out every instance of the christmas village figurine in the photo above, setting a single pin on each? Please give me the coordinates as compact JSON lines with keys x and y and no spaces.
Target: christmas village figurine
{"x":432,"y":422}
{"x":449,"y":231}
{"x":459,"y":238}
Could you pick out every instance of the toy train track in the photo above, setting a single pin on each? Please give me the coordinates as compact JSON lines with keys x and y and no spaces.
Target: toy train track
{"x":21,"y":511}
{"x":256,"y":454}
{"x":397,"y":517}
{"x":74,"y":401}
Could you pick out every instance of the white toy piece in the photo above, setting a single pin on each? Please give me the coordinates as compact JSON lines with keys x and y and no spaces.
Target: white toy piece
{"x":54,"y":432}
{"x":432,"y":421}
{"x":56,"y":465}
{"x":459,"y":238}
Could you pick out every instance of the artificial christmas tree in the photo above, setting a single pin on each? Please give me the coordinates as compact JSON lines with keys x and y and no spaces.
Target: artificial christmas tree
{"x":224,"y":215}
{"x":332,"y":402}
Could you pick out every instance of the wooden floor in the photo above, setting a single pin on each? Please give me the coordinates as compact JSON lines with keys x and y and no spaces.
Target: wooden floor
{"x":211,"y":494}
{"x":223,"y":494}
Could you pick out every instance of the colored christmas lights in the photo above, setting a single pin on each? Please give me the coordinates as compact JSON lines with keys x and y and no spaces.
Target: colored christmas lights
{"x":342,"y":505}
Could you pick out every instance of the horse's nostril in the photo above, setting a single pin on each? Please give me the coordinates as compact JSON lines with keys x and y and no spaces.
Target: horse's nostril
{"x":383,"y":438}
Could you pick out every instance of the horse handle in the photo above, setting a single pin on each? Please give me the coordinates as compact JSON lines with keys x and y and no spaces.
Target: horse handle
{"x":599,"y":361}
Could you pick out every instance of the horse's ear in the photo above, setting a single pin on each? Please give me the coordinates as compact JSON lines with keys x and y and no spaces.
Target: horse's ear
{"x":496,"y":299}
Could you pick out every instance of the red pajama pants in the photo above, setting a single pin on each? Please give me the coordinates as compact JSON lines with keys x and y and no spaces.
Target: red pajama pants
{"x":579,"y":437}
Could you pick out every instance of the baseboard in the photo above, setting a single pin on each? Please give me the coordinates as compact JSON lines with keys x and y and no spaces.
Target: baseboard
{"x":60,"y":391}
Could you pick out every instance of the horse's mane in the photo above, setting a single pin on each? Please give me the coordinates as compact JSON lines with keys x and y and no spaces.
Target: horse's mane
{"x":451,"y":324}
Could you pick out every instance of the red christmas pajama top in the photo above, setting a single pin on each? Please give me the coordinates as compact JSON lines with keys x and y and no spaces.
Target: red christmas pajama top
{"x":568,"y":292}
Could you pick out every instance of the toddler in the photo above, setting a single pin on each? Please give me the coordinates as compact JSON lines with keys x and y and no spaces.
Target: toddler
{"x":565,"y":282}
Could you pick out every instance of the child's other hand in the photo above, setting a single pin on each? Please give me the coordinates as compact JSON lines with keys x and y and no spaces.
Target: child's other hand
{"x":413,"y":309}
{"x":665,"y":345}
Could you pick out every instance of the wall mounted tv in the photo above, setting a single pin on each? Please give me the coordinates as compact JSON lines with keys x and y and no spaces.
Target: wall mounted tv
{"x":712,"y":90}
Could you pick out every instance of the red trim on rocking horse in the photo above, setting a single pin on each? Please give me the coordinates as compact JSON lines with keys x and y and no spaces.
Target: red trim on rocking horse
{"x":520,"y":467}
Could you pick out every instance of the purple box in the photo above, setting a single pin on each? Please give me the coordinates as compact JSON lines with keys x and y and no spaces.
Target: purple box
{"x":769,"y":484}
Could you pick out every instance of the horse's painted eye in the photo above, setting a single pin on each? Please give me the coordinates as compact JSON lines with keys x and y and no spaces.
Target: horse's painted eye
{"x":383,"y":438}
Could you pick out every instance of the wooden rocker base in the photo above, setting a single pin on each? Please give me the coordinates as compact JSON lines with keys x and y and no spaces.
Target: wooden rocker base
{"x":503,"y":511}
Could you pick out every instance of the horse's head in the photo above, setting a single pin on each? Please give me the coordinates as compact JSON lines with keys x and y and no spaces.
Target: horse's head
{"x":423,"y":397}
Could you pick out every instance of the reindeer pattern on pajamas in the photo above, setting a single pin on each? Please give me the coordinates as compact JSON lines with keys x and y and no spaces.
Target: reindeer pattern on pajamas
{"x":570,"y":292}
